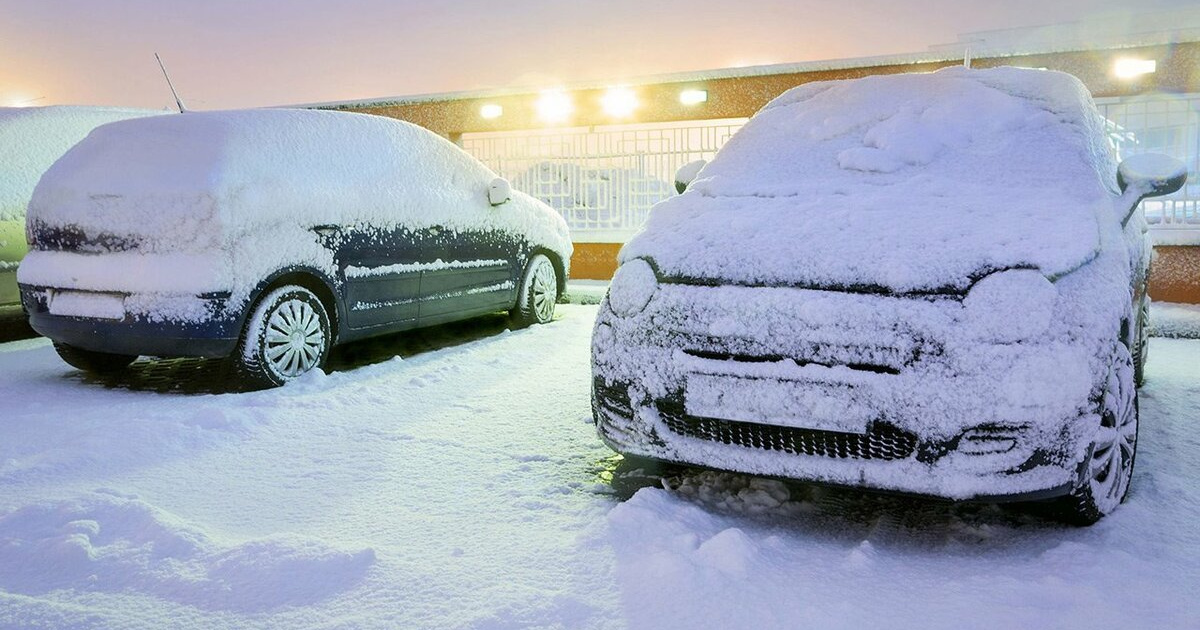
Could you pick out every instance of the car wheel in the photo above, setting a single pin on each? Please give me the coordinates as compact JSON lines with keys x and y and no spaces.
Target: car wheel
{"x":91,"y":361}
{"x":539,"y":292}
{"x":1108,"y":468}
{"x":287,"y":335}
{"x":1141,"y":345}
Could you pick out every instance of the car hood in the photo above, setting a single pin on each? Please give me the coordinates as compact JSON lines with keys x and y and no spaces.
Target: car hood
{"x":857,"y":244}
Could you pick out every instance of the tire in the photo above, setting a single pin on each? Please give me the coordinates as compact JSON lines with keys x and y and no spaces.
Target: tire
{"x":91,"y":361}
{"x":1141,"y":345}
{"x":1108,"y":468}
{"x":287,"y":335}
{"x":539,"y":292}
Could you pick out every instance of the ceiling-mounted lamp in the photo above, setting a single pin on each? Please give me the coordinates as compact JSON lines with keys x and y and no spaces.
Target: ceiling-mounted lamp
{"x":554,"y":106}
{"x":491,"y":111}
{"x":693,"y":97}
{"x":1129,"y":68}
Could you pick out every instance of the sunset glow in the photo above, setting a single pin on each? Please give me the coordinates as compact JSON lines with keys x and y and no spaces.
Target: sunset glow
{"x":227,"y":53}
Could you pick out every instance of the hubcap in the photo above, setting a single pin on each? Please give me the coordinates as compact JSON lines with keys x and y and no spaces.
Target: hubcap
{"x":294,"y":340}
{"x":544,"y":290}
{"x":1112,"y":456}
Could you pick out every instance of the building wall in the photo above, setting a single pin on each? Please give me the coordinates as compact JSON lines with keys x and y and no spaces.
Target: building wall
{"x":1175,"y":274}
{"x":741,"y":96}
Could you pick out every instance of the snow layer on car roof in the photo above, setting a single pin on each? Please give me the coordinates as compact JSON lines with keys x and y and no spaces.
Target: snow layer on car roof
{"x":187,"y":182}
{"x":31,"y":138}
{"x":907,"y":182}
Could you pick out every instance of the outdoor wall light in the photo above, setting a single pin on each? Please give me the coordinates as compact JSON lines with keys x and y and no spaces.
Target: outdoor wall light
{"x":490,"y":111}
{"x":693,"y":97}
{"x":554,"y":106}
{"x":1127,"y":68}
{"x":619,"y":102}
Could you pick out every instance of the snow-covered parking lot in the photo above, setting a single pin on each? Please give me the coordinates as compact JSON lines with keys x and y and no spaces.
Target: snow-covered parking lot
{"x":463,"y":486}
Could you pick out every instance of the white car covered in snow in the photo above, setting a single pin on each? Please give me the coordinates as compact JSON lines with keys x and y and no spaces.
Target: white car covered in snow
{"x":927,"y":283}
{"x":271,"y":235}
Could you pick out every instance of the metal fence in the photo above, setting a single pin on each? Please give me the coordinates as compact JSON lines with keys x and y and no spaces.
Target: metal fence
{"x":602,"y":179}
{"x":605,"y":179}
{"x":1161,"y":123}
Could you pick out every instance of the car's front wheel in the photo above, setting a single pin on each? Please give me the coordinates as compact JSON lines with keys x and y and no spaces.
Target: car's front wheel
{"x":287,"y":335}
{"x":92,"y":361}
{"x":1109,"y":465}
{"x":539,"y":292}
{"x":1141,"y":346}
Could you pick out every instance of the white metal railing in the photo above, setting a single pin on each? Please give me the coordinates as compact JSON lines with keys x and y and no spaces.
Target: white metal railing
{"x":602,"y":179}
{"x":605,"y":179}
{"x":1162,"y":123}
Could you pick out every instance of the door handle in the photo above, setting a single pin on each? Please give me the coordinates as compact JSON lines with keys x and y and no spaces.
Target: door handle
{"x":326,"y":230}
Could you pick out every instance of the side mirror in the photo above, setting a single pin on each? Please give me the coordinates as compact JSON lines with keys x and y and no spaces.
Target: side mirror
{"x":1148,"y":175}
{"x":687,"y":173}
{"x":499,"y":191}
{"x":1151,"y":175}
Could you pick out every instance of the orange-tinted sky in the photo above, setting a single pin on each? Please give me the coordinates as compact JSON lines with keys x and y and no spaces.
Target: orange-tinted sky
{"x":236,"y":53}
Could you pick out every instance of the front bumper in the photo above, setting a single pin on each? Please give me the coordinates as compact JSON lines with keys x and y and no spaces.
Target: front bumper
{"x":859,"y":390}
{"x":211,"y":328}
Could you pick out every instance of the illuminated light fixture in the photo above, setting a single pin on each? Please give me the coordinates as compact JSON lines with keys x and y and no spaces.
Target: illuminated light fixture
{"x":490,"y":111}
{"x":554,"y":106}
{"x":693,"y":97}
{"x":619,"y":102}
{"x":1131,"y":68}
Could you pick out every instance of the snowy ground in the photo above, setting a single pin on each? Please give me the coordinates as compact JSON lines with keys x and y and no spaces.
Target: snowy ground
{"x":463,"y":487}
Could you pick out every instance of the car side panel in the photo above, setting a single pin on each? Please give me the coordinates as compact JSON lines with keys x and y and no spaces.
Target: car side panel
{"x":381,"y":273}
{"x":477,"y":271}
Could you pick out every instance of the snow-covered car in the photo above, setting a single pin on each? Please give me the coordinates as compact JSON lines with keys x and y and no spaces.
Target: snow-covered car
{"x":928,"y":283}
{"x":31,"y":139}
{"x":271,"y":235}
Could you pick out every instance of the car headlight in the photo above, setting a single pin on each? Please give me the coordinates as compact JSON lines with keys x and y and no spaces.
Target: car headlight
{"x":632,"y":288}
{"x":1009,"y":306}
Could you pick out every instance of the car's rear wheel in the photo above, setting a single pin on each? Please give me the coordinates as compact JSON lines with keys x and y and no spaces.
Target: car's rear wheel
{"x":287,"y":335}
{"x":1108,"y":468}
{"x":539,"y":292}
{"x":91,"y":361}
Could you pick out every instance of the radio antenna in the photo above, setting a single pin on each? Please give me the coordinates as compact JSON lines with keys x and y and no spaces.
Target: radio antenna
{"x":178,"y":102}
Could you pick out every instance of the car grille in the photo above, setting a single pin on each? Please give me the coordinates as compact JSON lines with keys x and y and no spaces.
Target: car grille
{"x":881,"y":442}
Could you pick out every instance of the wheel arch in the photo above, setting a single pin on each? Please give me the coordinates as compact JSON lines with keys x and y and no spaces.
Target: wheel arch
{"x":560,"y":269}
{"x":313,"y":280}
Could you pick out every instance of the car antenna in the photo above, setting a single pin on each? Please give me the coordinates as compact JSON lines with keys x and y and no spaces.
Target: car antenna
{"x":178,"y":102}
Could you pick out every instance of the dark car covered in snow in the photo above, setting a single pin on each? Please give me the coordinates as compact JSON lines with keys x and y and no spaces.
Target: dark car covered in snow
{"x":931,"y":284}
{"x":271,"y":235}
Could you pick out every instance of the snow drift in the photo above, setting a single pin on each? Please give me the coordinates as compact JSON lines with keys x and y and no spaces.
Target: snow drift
{"x":110,"y":542}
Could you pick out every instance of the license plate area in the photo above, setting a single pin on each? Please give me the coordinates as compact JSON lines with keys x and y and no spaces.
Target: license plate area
{"x":89,"y":304}
{"x":778,"y":402}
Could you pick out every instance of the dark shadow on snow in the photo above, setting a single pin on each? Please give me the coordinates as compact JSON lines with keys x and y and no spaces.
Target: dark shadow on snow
{"x":219,"y":376}
{"x":845,"y":514}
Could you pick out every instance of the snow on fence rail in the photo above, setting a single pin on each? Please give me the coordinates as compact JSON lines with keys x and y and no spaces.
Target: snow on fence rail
{"x":602,"y":179}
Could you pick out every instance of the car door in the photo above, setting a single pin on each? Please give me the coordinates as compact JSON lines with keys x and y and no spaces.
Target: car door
{"x":381,"y":272}
{"x":474,"y":271}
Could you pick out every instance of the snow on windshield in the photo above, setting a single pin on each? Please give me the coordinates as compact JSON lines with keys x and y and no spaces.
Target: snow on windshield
{"x":909,"y":182}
